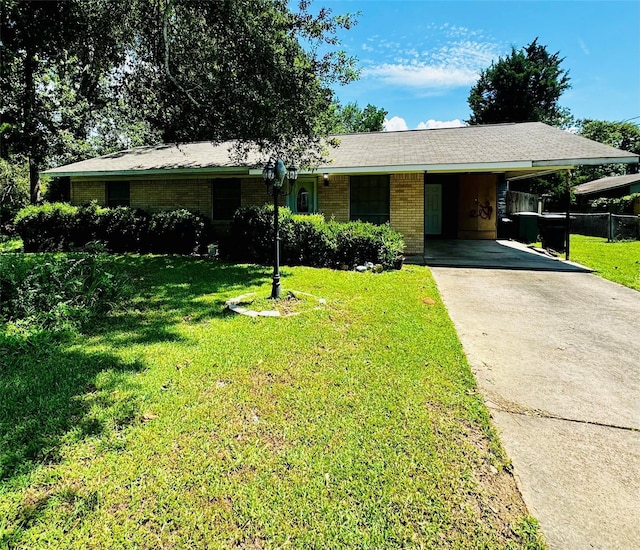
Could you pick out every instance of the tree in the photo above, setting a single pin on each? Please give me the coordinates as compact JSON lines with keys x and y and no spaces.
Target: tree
{"x":235,"y":69}
{"x":350,"y":119}
{"x":85,"y":76}
{"x":55,"y":55}
{"x":525,"y":86}
{"x":622,"y":135}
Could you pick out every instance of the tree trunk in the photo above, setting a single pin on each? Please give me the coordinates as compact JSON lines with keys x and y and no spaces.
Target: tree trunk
{"x":29,"y":124}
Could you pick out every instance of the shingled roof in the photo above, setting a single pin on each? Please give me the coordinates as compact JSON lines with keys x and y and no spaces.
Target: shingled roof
{"x":530,"y":146}
{"x":605,"y":184}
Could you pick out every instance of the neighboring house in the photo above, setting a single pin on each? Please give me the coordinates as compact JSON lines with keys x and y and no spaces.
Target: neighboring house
{"x":447,"y":183}
{"x":611,"y":187}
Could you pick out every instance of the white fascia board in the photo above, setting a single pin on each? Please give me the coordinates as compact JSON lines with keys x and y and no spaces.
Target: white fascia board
{"x":143,"y":173}
{"x":390,"y":169}
{"x":587,"y":162}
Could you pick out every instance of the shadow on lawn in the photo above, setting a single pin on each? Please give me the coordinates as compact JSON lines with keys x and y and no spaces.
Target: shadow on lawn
{"x":52,"y":391}
{"x":168,"y":290}
{"x":48,"y":392}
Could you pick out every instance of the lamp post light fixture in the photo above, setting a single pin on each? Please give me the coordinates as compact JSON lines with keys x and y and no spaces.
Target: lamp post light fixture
{"x":274,"y":174}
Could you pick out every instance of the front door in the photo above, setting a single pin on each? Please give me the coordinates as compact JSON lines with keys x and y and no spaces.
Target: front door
{"x":433,"y":209}
{"x":302,"y":199}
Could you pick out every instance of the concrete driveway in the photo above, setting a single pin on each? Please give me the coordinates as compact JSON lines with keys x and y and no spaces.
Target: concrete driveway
{"x":557,"y":358}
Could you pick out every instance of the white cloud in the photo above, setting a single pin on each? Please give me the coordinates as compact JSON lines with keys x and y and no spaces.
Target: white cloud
{"x":454,"y":59}
{"x":431,"y":124}
{"x":367,"y":48}
{"x":395,"y":124}
{"x":399,"y":124}
{"x":421,"y":75}
{"x":584,"y":47}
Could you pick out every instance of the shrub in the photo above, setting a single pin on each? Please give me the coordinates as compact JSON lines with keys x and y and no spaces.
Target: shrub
{"x":175,"y":232}
{"x":313,"y":242}
{"x":49,"y":227}
{"x":309,"y":240}
{"x":87,"y":225}
{"x":54,"y":291}
{"x":61,"y":227}
{"x":250,"y":237}
{"x":123,"y":229}
{"x":621,"y":205}
{"x":360,"y":242}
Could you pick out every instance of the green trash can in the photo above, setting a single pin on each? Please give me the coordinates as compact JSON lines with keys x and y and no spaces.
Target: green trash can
{"x":526,"y":229}
{"x":553,"y":229}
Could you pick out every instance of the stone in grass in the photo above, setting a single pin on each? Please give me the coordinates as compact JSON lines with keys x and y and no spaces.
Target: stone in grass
{"x":370,"y":266}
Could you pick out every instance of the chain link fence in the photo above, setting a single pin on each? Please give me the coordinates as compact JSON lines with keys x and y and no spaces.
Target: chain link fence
{"x":614,"y":227}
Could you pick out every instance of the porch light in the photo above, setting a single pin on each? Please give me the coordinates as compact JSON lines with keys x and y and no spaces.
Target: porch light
{"x":268,"y":173}
{"x":273,"y":174}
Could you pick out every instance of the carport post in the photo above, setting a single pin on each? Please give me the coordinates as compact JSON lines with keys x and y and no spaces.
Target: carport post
{"x":567,"y":249}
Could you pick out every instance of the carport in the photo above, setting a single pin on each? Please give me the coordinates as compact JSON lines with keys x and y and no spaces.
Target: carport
{"x":489,"y":254}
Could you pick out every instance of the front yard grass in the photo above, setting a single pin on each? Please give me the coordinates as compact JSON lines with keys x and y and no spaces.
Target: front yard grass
{"x":176,"y":424}
{"x":616,"y":261}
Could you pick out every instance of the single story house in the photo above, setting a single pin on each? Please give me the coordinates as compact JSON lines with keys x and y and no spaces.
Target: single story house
{"x":447,"y":183}
{"x":611,"y":187}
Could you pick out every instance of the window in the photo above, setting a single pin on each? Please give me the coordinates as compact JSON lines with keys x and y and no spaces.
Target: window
{"x":226,"y":198}
{"x":369,"y":198}
{"x":302,"y":201}
{"x":118,"y":193}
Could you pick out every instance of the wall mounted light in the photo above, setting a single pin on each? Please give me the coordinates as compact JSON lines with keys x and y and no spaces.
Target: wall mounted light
{"x":325,"y":178}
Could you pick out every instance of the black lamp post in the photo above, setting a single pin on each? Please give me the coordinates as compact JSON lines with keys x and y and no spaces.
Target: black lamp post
{"x":274,"y":174}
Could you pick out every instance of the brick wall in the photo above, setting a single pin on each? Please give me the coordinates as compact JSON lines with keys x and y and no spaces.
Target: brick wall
{"x":407,"y":199}
{"x":87,"y":191}
{"x":254,"y":193}
{"x":333,"y":200}
{"x":407,"y":209}
{"x":154,"y":195}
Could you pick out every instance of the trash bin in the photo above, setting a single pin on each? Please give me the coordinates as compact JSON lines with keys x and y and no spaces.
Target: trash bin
{"x":553,"y":231}
{"x":526,"y":226}
{"x":505,"y":228}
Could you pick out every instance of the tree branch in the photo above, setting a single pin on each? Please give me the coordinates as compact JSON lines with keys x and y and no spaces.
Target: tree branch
{"x":165,"y":33}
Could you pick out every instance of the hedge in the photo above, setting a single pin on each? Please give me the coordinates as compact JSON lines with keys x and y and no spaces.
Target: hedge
{"x":309,"y":240}
{"x":62,"y":227}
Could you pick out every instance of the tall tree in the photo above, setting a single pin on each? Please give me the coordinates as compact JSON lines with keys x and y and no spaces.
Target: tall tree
{"x":53,"y":58}
{"x":85,"y":74}
{"x":524,"y":86}
{"x":350,"y":119}
{"x":622,"y":135}
{"x":250,"y":70}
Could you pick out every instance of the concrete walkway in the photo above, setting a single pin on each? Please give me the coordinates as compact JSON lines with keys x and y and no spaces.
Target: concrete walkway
{"x":557,"y":358}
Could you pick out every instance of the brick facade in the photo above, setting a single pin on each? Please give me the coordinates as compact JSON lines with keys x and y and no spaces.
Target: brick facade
{"x":154,"y":195}
{"x":86,"y":191}
{"x":407,"y":209}
{"x":333,"y":200}
{"x":406,"y":200}
{"x":254,"y":193}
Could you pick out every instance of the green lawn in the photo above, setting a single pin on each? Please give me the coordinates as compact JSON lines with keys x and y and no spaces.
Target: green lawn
{"x":616,"y":261}
{"x":176,"y":424}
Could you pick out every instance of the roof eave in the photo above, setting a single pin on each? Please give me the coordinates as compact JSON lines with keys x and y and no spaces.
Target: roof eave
{"x":146,"y":172}
{"x":587,"y":161}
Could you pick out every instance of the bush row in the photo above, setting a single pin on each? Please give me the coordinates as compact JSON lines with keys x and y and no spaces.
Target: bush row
{"x":621,"y":205}
{"x":309,"y":240}
{"x":56,"y":291}
{"x":62,"y":227}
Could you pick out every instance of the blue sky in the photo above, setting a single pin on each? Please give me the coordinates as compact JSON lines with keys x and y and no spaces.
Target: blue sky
{"x":420,"y":58}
